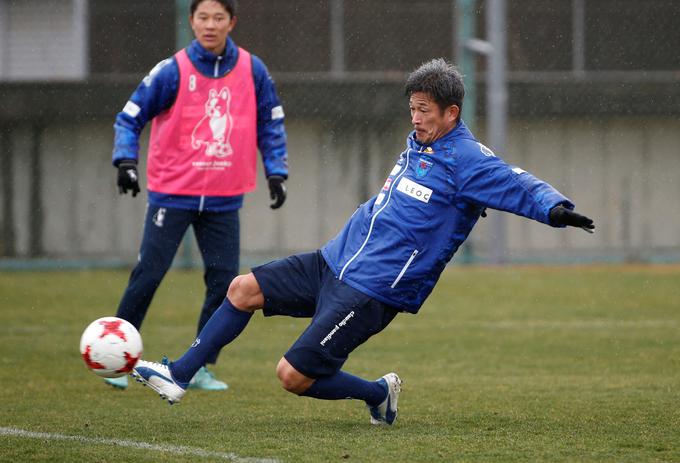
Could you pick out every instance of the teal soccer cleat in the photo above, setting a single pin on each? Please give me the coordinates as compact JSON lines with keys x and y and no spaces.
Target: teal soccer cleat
{"x":117,"y":383}
{"x":205,"y":379}
{"x":386,"y":412}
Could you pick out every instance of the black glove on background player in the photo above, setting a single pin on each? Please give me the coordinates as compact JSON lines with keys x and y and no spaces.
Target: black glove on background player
{"x":277,"y":190}
{"x":560,"y":215}
{"x":127,"y":177}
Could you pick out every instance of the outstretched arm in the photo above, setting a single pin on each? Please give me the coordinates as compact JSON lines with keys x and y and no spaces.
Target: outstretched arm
{"x":488,"y":181}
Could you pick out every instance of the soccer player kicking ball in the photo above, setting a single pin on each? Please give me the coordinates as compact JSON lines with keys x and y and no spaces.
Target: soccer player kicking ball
{"x":386,"y":259}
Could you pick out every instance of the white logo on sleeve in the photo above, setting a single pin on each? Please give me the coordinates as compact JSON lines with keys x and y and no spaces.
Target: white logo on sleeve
{"x":414,"y":190}
{"x":518,"y":170}
{"x":277,"y":112}
{"x":156,"y":69}
{"x":486,"y":151}
{"x":131,"y":109}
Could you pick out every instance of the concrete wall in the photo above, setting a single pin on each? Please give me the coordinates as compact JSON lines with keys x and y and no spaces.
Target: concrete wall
{"x":624,"y":173}
{"x":43,"y":40}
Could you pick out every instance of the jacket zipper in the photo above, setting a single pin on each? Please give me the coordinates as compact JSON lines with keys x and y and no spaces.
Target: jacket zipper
{"x":370,"y":228}
{"x":403,"y":270}
{"x":216,"y":70}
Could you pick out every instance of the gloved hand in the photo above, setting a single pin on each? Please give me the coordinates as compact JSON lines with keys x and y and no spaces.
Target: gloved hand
{"x":560,"y":215}
{"x":277,"y":190}
{"x":127,"y":177}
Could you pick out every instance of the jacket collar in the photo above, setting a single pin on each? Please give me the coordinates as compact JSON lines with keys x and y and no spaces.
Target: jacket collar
{"x":204,"y":60}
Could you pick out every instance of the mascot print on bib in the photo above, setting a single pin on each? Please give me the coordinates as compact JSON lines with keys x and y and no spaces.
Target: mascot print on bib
{"x":214,"y":128}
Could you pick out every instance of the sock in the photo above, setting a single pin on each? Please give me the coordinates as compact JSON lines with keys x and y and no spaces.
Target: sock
{"x":223,"y":327}
{"x":346,"y":386}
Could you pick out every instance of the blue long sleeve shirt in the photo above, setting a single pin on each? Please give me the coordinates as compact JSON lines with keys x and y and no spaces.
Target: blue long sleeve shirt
{"x":157,"y":93}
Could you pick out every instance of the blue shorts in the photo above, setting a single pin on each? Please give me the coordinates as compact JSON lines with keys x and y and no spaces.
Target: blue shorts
{"x":342,"y":318}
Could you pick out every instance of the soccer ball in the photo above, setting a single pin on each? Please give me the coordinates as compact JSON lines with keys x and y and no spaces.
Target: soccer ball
{"x":111,"y":347}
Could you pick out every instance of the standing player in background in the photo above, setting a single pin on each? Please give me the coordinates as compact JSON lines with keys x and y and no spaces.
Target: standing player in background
{"x":386,"y":260}
{"x":213,"y":105}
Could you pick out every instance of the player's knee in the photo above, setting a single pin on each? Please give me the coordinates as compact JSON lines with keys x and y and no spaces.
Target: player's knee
{"x":291,"y":379}
{"x":245,"y":294}
{"x":286,"y":376}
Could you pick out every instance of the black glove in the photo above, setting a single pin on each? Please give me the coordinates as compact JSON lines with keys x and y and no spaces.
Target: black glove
{"x":277,"y":190}
{"x":127,"y":177}
{"x":560,"y":215}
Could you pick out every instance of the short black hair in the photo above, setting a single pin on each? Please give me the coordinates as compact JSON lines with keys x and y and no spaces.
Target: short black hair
{"x":440,"y":80}
{"x":229,"y":5}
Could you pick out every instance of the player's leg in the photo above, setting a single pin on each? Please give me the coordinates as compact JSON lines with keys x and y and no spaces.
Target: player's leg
{"x":172,"y":380}
{"x":344,"y":320}
{"x":244,"y":297}
{"x":217,"y":235}
{"x":381,"y":396}
{"x":163,"y":232}
{"x":276,"y":286}
{"x":338,"y":386}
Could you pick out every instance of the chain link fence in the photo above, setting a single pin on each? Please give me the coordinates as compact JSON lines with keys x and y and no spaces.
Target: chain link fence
{"x":593,"y":91}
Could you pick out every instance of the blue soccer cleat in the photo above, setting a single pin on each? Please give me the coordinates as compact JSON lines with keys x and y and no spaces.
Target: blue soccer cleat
{"x":386,"y":412}
{"x":205,"y":379}
{"x":159,"y":378}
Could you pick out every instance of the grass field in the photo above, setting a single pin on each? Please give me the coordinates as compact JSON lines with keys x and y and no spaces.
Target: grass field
{"x":502,"y":364}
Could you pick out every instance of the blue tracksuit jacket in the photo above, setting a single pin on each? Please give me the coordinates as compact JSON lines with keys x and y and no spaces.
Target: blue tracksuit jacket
{"x":396,"y":245}
{"x":157,"y":92}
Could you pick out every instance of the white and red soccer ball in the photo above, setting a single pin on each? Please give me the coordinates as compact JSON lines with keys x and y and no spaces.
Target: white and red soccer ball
{"x":111,"y":347}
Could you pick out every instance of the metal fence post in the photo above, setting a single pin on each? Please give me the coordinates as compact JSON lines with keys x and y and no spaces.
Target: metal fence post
{"x":183,"y":36}
{"x":497,"y":102}
{"x":463,"y":32}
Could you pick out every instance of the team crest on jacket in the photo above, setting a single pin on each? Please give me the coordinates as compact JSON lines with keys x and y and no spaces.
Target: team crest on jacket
{"x":424,"y":166}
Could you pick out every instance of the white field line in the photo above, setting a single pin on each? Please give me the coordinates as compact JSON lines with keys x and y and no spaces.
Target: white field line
{"x":167,"y":448}
{"x":593,"y":324}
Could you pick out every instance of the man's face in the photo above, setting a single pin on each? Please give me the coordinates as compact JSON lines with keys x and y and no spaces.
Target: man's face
{"x":429,"y":121}
{"x":211,"y":24}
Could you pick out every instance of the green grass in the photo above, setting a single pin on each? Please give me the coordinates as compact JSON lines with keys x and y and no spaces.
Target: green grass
{"x":502,"y":364}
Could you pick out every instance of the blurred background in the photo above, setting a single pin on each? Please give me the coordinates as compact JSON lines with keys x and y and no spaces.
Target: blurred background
{"x":584,"y":94}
